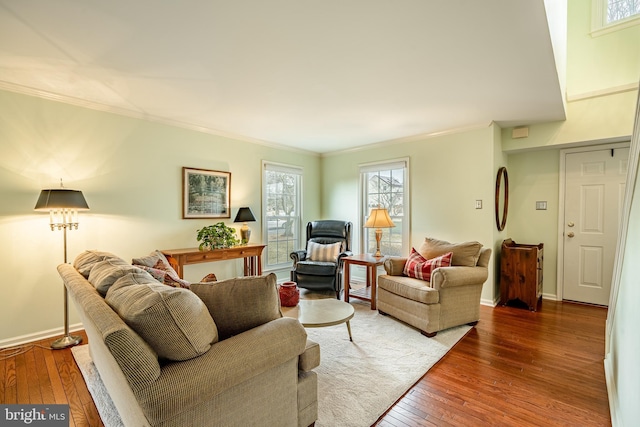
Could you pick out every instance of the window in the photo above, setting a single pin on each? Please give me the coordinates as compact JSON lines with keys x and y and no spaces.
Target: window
{"x":281,"y":212}
{"x":621,"y":9}
{"x":612,"y":15}
{"x":386,"y":185}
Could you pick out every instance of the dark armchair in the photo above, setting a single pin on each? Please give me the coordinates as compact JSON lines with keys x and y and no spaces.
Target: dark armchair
{"x":319,"y":265}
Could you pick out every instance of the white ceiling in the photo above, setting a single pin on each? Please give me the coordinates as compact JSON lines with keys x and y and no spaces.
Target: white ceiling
{"x":320,"y":75}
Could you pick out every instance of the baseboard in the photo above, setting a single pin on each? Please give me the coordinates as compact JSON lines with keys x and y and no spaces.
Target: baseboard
{"x":490,"y":303}
{"x":612,"y":392}
{"x":37,"y":336}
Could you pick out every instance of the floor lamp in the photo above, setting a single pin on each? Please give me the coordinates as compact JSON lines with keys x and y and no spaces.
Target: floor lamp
{"x":63,"y":206}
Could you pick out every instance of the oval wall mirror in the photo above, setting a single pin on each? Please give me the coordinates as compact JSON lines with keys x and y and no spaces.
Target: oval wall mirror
{"x":502,"y":198}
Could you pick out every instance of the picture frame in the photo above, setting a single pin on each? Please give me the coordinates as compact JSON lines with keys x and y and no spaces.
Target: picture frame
{"x":205,"y":193}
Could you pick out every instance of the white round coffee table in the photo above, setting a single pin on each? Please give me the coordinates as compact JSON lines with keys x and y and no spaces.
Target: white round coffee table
{"x":318,"y":313}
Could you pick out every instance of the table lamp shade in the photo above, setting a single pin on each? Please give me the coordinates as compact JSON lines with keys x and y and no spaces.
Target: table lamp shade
{"x":61,"y":198}
{"x":379,"y":218}
{"x":244,"y":215}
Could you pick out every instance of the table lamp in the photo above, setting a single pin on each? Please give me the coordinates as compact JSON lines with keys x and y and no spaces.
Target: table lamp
{"x":378,"y":219}
{"x":63,"y":206}
{"x":244,"y":215}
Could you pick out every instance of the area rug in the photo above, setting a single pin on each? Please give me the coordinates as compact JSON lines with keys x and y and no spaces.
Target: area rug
{"x":357,"y":381}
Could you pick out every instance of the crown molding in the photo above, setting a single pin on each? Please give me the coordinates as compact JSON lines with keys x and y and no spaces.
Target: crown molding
{"x":141,"y":115}
{"x":406,"y":139}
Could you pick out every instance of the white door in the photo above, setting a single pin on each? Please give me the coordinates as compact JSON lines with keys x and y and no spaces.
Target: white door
{"x":594,"y":193}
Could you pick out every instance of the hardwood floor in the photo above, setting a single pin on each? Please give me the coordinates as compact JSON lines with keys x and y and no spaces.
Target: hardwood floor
{"x":39,"y":375}
{"x":515,"y":368}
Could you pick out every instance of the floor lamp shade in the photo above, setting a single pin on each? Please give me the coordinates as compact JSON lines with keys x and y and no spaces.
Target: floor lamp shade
{"x":61,"y":198}
{"x":245,"y":215}
{"x":379,"y":218}
{"x":63,"y":206}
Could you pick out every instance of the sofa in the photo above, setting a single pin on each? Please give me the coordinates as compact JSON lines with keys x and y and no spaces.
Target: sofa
{"x":437,"y":287}
{"x":210,"y":354}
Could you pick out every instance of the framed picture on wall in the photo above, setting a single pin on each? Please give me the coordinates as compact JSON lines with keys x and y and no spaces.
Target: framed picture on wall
{"x":205,"y":193}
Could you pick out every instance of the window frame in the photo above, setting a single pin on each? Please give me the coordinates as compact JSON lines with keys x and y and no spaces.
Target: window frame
{"x":364,"y":210}
{"x":294,"y":244}
{"x":599,"y":24}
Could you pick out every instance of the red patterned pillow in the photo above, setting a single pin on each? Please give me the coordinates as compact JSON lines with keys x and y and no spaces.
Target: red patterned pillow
{"x":420,"y":268}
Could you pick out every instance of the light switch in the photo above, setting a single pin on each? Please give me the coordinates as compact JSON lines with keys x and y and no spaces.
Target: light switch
{"x":541,"y":206}
{"x":478,"y":204}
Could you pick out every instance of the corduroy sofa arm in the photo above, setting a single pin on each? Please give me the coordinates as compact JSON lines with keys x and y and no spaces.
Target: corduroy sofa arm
{"x":395,"y":266}
{"x":228,"y":363}
{"x":447,"y":277}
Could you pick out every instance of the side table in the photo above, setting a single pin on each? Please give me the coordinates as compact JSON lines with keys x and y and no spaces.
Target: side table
{"x":371,"y":264}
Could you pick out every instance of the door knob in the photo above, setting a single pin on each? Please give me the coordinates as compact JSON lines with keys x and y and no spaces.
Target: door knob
{"x":570,"y":224}
{"x":570,"y":234}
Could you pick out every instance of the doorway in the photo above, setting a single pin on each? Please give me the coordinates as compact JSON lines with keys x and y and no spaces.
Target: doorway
{"x":592,"y":187}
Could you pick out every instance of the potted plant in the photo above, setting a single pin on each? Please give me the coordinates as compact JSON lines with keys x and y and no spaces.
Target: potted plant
{"x":217,"y":236}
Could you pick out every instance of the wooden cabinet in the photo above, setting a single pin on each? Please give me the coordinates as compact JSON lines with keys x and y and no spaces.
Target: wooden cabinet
{"x":521,"y":273}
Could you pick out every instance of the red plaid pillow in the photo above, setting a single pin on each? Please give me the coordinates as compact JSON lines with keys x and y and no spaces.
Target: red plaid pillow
{"x":419,"y":267}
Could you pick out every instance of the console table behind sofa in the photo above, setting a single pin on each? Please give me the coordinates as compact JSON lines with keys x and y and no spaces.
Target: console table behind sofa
{"x":250,"y":253}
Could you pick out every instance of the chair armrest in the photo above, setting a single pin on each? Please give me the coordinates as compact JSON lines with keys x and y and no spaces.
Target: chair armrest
{"x":298,"y":256}
{"x":229,"y":363}
{"x":310,"y":358}
{"x":343,"y":255}
{"x":448,"y":277}
{"x":395,"y":266}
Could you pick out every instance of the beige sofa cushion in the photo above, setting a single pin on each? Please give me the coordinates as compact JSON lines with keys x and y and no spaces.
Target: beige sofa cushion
{"x":240,"y":304}
{"x":105,"y":273}
{"x":173,"y":321}
{"x":87,"y":259}
{"x":464,"y":254}
{"x":410,"y":288}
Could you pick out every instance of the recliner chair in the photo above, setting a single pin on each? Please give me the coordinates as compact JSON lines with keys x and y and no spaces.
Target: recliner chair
{"x":313,"y":272}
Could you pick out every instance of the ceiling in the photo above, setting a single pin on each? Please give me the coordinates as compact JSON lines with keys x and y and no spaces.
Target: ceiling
{"x":318,"y":75}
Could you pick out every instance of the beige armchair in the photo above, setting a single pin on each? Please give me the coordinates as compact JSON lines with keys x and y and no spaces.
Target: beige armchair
{"x":451,"y":297}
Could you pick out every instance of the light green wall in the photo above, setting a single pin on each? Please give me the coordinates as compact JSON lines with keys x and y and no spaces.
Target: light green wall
{"x":130,"y":172}
{"x":447,"y":174}
{"x":533,"y":176}
{"x":602,"y":62}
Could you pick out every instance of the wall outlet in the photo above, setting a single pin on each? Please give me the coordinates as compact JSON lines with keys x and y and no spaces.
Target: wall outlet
{"x":478,"y":204}
{"x":541,"y":206}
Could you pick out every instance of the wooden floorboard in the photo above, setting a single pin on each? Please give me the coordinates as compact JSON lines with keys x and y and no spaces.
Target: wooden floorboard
{"x":515,"y":368}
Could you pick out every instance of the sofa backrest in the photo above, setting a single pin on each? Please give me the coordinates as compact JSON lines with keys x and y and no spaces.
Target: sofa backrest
{"x":483,"y":260}
{"x":138,"y":361}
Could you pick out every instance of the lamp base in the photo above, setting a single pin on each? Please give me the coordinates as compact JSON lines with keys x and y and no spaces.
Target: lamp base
{"x":378,"y":237}
{"x":66,"y":341}
{"x":245,"y":234}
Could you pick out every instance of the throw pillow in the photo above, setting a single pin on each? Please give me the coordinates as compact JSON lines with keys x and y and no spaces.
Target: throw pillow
{"x":87,"y":259}
{"x":464,"y":254}
{"x":165,"y":277}
{"x":323,"y":252}
{"x":420,"y":268}
{"x":240,"y":304}
{"x":105,"y":273}
{"x":158,"y":261}
{"x":173,"y":321}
